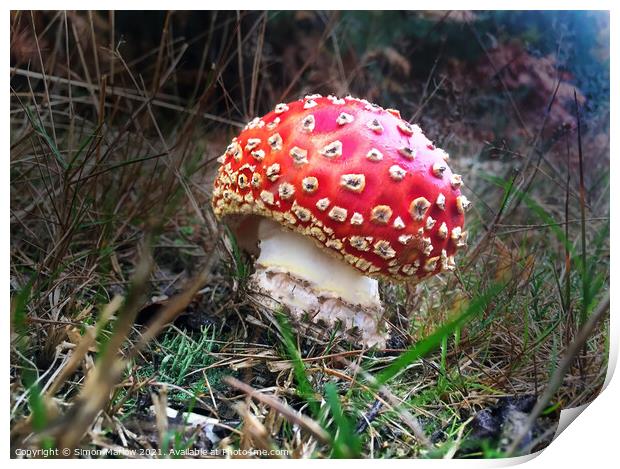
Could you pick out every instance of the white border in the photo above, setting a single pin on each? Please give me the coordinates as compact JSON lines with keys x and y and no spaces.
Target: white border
{"x":316,"y":5}
{"x":591,"y":442}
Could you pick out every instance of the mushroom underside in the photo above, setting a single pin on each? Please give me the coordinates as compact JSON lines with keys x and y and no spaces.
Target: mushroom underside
{"x":292,"y":271}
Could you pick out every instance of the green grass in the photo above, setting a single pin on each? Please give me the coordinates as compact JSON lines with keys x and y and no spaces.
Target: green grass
{"x":178,"y":358}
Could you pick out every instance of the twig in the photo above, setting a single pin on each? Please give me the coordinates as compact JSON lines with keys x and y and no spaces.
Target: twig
{"x":404,"y":414}
{"x":47,"y":93}
{"x":582,"y":203}
{"x":94,"y":42}
{"x":240,"y":66}
{"x":568,"y":310}
{"x":256,"y":65}
{"x":366,"y":419}
{"x":287,"y":412}
{"x":326,"y":34}
{"x":160,"y":54}
{"x":556,"y":380}
{"x":497,"y":73}
{"x":76,"y":38}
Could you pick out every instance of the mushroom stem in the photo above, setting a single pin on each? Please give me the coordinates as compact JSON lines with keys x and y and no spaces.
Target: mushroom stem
{"x":315,"y":285}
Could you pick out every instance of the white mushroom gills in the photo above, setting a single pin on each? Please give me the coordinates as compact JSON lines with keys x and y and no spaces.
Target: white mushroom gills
{"x":291,"y":269}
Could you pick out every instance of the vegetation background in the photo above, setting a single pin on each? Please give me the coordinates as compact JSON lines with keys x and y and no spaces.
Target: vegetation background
{"x":129,"y":301}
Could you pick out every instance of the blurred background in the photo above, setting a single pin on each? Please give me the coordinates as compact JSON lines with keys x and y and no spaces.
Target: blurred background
{"x":128,"y":306}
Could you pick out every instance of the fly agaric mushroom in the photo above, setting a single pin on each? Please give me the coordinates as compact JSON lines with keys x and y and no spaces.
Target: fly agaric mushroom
{"x":339,"y":193}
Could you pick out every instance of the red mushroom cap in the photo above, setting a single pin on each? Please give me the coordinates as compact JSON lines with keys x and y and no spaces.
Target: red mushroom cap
{"x":362,"y":182}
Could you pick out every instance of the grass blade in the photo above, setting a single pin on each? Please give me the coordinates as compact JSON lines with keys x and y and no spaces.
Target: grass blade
{"x":423,"y":347}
